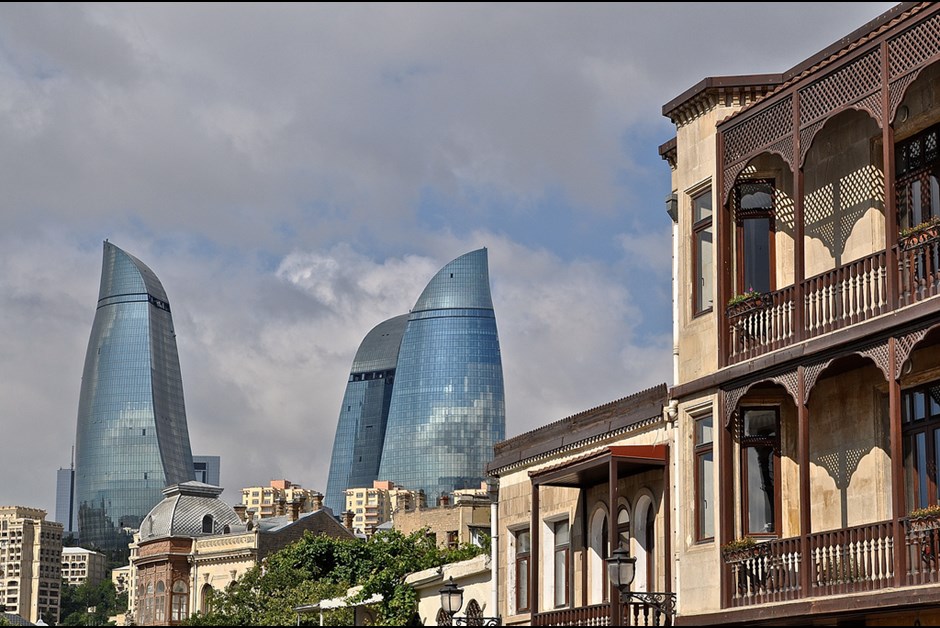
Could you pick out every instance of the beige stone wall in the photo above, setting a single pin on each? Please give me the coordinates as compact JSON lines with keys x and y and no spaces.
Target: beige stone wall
{"x":850,"y":467}
{"x":843,"y":193}
{"x":444,"y":520}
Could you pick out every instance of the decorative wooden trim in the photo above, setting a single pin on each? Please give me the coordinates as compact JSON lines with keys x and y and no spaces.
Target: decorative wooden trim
{"x":812,"y":374}
{"x":878,"y":352}
{"x":905,"y":345}
{"x":790,"y":381}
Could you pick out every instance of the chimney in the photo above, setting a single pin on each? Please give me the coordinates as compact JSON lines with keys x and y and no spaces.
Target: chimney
{"x":280,"y":508}
{"x":295,"y":510}
{"x":250,"y":519}
{"x":316,"y":501}
{"x":444,"y":500}
{"x":240,"y":511}
{"x":348,"y":520}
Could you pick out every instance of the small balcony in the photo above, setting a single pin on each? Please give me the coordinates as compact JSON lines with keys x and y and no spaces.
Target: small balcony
{"x":860,"y":559}
{"x":851,"y":294}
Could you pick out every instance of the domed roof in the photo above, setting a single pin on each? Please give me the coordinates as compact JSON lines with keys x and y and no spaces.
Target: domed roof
{"x":190,"y":509}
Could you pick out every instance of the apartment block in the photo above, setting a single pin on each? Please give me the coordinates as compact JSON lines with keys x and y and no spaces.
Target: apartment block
{"x":30,"y":563}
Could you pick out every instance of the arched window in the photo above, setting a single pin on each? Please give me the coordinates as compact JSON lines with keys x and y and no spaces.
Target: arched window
{"x":148,"y":605}
{"x":205,"y":602}
{"x":599,"y":551}
{"x":159,"y":604}
{"x":180,"y":607}
{"x":474,"y":614}
{"x":207,"y":524}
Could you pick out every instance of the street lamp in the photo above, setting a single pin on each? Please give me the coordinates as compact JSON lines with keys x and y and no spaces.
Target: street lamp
{"x":451,"y":597}
{"x":621,"y":569}
{"x":452,"y":602}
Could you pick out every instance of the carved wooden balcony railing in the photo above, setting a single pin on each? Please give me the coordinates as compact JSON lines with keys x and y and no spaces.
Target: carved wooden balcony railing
{"x":832,"y":300}
{"x":635,"y":613}
{"x":849,"y":560}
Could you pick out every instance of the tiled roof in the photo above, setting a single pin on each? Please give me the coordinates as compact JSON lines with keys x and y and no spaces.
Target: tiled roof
{"x":182,"y":511}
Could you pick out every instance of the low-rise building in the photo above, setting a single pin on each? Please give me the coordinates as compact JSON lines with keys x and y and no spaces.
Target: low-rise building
{"x":273,"y":500}
{"x":371,"y":507}
{"x":30,"y":563}
{"x":80,"y":566}
{"x":465,"y":518}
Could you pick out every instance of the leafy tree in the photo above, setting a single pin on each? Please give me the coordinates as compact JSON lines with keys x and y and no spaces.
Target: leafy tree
{"x":4,"y":621}
{"x":74,"y":602}
{"x":321,"y":567}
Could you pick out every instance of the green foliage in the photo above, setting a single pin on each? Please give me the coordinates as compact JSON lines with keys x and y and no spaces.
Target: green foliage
{"x":744,"y":296}
{"x":321,"y":567}
{"x":4,"y":621}
{"x":76,"y":600}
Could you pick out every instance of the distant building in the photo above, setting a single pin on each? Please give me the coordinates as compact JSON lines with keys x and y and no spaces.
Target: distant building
{"x":463,"y":518}
{"x":132,"y":439}
{"x":424,"y":403}
{"x":30,"y":561}
{"x":371,"y":507}
{"x":207,"y":469}
{"x":65,"y":501}
{"x":121,"y":577}
{"x":80,"y":566}
{"x":274,"y":500}
{"x":192,"y":542}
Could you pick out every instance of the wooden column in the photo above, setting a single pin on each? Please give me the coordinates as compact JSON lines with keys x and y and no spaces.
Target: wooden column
{"x":725,"y":496}
{"x":722,"y":220}
{"x":613,"y":496}
{"x":667,"y":525}
{"x":891,"y":209}
{"x":898,"y":501}
{"x":534,"y":555}
{"x":806,"y":524}
{"x":799,"y":254}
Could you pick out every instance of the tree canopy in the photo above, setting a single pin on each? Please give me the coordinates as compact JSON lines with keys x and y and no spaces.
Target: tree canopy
{"x":321,"y":567}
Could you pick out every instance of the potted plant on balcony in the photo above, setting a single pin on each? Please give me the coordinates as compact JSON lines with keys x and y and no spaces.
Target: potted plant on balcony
{"x":748,"y":300}
{"x":919,"y":234}
{"x":923,"y":519}
{"x":742,"y":549}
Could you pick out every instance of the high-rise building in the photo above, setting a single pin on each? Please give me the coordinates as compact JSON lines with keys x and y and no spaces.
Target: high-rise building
{"x":446,"y":407}
{"x":207,"y":469}
{"x":132,"y":438}
{"x":360,"y":432}
{"x":65,"y":501}
{"x":30,"y":561}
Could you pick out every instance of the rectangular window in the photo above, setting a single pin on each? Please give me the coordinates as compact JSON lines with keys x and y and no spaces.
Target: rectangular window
{"x":920,"y":415}
{"x":704,"y":480}
{"x":760,"y":470}
{"x":702,"y":253}
{"x":562,"y":557}
{"x":523,"y":549}
{"x":754,"y":217}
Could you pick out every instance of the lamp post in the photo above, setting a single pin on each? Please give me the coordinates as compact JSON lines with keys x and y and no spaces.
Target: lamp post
{"x":452,"y":602}
{"x":621,"y":569}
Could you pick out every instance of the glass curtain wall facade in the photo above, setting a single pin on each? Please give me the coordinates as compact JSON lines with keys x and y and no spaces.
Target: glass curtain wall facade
{"x":132,"y":438}
{"x":447,"y":408}
{"x":360,"y":431}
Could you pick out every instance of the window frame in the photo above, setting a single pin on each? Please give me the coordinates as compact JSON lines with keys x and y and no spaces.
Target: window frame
{"x":919,"y":168}
{"x":698,"y":227}
{"x":749,"y":442}
{"x":700,"y":451}
{"x":564,"y":550}
{"x":911,"y":427}
{"x":741,"y":215}
{"x":523,"y":561}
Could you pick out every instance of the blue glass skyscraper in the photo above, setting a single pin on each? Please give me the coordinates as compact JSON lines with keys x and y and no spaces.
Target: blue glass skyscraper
{"x":360,"y":432}
{"x":132,"y":438}
{"x":448,"y":407}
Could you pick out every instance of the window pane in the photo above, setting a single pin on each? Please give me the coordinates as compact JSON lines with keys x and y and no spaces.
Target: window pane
{"x":921,"y":445}
{"x":702,"y":206}
{"x":704,"y":296}
{"x":762,"y":423}
{"x":522,"y":584}
{"x":561,"y":577}
{"x":760,"y":489}
{"x":561,"y":533}
{"x":920,"y":408}
{"x":706,"y":496}
{"x":756,"y":254}
{"x":703,"y":430}
{"x":522,"y":542}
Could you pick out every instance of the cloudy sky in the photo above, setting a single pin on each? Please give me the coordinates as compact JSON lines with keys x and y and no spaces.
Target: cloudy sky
{"x":295,"y":174}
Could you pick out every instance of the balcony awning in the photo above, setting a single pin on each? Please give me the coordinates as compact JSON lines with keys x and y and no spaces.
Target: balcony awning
{"x":593,"y":469}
